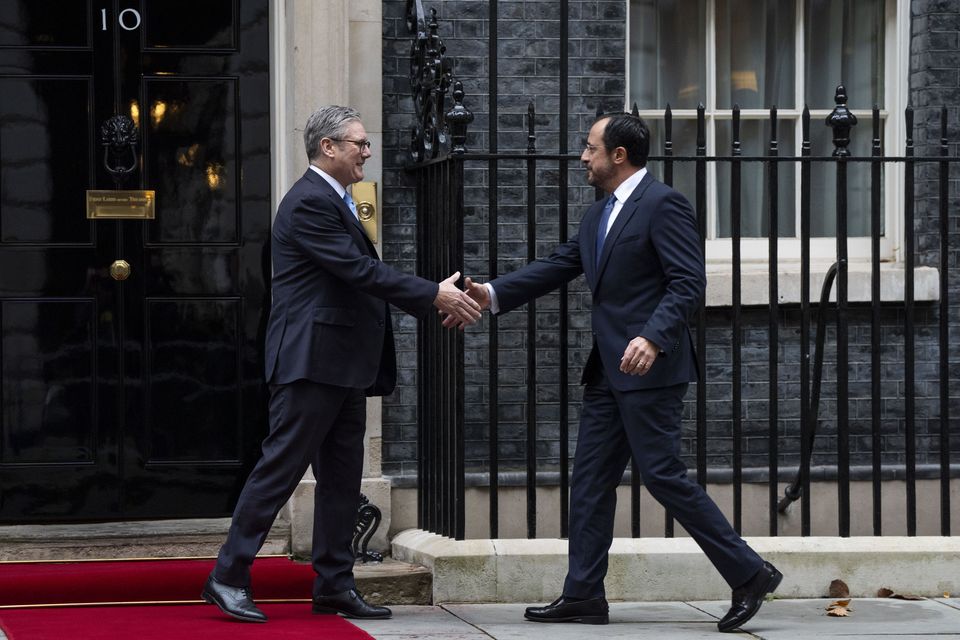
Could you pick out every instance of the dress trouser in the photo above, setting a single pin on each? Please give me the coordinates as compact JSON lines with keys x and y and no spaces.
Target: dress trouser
{"x":310,"y":424}
{"x":645,"y":423}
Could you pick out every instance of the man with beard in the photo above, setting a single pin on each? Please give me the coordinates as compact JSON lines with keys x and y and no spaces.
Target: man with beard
{"x":640,"y":252}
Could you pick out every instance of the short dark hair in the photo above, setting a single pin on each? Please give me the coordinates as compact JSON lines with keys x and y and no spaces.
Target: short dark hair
{"x":630,"y":132}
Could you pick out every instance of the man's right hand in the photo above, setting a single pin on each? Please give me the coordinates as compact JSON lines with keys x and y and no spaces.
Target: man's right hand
{"x":457,"y":307}
{"x":478,"y":293}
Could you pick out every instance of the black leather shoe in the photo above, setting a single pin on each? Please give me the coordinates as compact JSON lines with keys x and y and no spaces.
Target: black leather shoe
{"x":350,"y":604}
{"x":748,"y":597}
{"x":563,"y":609}
{"x":233,"y":601}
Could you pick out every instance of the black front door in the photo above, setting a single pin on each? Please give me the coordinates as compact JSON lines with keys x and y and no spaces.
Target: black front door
{"x":143,"y":397}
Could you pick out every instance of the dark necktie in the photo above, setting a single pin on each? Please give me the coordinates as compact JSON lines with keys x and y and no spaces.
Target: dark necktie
{"x":604,"y":221}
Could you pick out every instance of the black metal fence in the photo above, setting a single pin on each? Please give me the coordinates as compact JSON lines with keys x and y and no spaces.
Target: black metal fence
{"x":440,"y":159}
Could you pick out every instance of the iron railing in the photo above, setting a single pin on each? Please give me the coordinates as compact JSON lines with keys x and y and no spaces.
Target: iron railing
{"x":440,"y":158}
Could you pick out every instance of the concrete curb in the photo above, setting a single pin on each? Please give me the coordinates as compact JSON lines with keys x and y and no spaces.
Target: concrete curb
{"x":660,"y":569}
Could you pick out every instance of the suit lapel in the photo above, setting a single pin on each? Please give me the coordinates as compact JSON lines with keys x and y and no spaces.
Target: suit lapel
{"x":630,"y":207}
{"x":588,"y":245}
{"x":349,"y":220}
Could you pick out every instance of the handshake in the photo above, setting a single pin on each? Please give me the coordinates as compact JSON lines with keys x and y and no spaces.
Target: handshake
{"x":460,"y":308}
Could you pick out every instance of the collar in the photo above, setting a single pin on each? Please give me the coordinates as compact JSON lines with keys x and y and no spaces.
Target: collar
{"x":330,"y":180}
{"x":627,"y":186}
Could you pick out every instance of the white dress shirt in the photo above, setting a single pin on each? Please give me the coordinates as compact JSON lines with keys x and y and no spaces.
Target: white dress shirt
{"x":622,"y":193}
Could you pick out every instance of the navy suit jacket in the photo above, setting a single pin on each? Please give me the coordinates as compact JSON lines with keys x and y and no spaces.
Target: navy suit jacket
{"x":649,"y":282}
{"x":329,"y":321}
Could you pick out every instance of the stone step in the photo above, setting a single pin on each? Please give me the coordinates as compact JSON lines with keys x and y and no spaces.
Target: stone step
{"x":193,"y":538}
{"x":387,"y":582}
{"x":394,"y":582}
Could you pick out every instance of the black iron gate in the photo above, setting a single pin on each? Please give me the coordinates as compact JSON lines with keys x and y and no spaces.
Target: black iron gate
{"x":439,"y":162}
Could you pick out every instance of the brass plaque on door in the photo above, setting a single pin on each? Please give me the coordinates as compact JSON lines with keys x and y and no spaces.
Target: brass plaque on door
{"x":120,"y":205}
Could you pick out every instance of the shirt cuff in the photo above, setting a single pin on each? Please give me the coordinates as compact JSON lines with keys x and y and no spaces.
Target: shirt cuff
{"x":494,"y":305}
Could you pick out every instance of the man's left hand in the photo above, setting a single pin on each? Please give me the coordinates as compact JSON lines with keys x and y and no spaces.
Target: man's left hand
{"x":639,"y":357}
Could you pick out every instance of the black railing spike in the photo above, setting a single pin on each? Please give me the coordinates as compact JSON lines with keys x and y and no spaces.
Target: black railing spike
{"x":459,"y":117}
{"x":531,"y":131}
{"x":701,"y":126}
{"x":842,"y":121}
{"x":736,"y":127}
{"x":636,"y":110}
{"x":773,"y":125}
{"x":875,"y":114}
{"x":668,"y":125}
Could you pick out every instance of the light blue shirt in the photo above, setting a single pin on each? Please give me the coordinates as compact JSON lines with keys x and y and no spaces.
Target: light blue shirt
{"x":339,"y":188}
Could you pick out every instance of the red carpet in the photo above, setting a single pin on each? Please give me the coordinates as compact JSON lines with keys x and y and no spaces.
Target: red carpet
{"x":132,"y":584}
{"x":146,"y":581}
{"x":181,"y":622}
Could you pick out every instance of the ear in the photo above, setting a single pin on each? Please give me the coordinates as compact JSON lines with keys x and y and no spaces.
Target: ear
{"x":326,"y":147}
{"x":619,"y":155}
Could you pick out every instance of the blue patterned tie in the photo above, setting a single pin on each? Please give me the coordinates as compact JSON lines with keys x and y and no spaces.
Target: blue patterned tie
{"x":604,"y":221}
{"x":353,"y":207}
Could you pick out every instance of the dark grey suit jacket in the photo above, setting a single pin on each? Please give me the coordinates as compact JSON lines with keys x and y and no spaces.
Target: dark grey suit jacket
{"x":329,"y":321}
{"x":649,"y":282}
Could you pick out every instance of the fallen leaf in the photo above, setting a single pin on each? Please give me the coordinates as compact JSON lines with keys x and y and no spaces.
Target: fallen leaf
{"x":946,"y":594}
{"x":839,"y":608}
{"x":839,"y":589}
{"x":883,"y":592}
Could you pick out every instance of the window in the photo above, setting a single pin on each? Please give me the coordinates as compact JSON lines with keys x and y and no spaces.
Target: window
{"x":763,"y":53}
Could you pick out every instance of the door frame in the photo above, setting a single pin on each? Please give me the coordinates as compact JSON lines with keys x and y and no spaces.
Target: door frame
{"x":344,"y":38}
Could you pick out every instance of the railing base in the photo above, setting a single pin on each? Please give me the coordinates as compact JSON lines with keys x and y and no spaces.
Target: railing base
{"x":649,"y":569}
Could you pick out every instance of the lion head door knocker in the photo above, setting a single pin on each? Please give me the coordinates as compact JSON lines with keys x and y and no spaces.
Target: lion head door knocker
{"x":118,"y":136}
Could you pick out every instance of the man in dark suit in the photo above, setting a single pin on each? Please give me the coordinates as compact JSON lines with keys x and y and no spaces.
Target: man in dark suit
{"x":640,"y":252}
{"x":329,"y":345}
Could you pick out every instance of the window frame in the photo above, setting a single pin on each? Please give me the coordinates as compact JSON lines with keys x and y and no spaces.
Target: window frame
{"x":823,"y":249}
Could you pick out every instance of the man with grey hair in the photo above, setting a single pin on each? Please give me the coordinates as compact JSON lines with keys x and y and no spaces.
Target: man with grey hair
{"x":329,"y":345}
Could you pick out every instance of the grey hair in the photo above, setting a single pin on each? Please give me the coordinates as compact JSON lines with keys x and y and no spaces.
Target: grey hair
{"x":326,"y":122}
